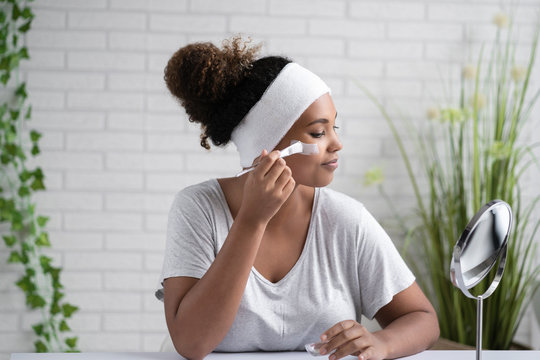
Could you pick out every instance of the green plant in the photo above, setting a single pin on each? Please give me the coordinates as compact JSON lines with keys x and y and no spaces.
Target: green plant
{"x":26,"y":235}
{"x":473,"y":152}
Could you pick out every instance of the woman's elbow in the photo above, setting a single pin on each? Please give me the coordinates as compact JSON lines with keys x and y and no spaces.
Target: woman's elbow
{"x":435,"y":329}
{"x":192,"y":350}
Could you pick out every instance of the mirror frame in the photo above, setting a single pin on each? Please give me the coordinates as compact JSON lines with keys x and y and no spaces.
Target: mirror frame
{"x":456,"y":274}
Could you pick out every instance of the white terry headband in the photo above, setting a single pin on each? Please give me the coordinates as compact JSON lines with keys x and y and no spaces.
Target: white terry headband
{"x":288,"y":96}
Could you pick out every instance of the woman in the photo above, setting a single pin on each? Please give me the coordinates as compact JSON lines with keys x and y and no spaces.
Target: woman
{"x":272,"y":260}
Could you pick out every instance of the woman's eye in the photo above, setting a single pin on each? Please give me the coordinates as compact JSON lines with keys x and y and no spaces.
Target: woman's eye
{"x":336,"y":128}
{"x":317,"y":135}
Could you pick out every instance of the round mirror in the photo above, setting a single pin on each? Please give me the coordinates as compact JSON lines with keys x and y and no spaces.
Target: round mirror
{"x":482,"y":242}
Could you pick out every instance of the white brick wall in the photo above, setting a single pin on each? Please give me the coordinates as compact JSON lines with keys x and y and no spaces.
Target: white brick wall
{"x":117,"y":147}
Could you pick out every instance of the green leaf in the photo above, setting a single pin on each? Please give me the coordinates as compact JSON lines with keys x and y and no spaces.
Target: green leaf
{"x":58,"y":295}
{"x":23,"y":54}
{"x":15,"y":257}
{"x":10,"y":240}
{"x":45,"y":262}
{"x":35,"y":136}
{"x":26,"y":285}
{"x":37,"y":184}
{"x":13,"y":61}
{"x":4,"y":62}
{"x":68,"y":310}
{"x":27,"y":247}
{"x":35,"y":150}
{"x":55,"y":309}
{"x":30,"y":272}
{"x":21,"y":91}
{"x":43,"y":240}
{"x":27,"y":13}
{"x":14,"y":114}
{"x":64,"y":327}
{"x":40,"y":347}
{"x":2,"y":17}
{"x":11,"y":133}
{"x":16,"y":12}
{"x":5,"y":158}
{"x":3,"y":110}
{"x":28,"y":113}
{"x":25,"y":27}
{"x":20,"y":154}
{"x":38,"y":329}
{"x":71,"y":342}
{"x":4,"y":78}
{"x":11,"y":149}
{"x":38,"y":173}
{"x":24,"y":191}
{"x":42,"y":220}
{"x":16,"y":224}
{"x":35,"y":301}
{"x":25,"y":175}
{"x":55,"y":274}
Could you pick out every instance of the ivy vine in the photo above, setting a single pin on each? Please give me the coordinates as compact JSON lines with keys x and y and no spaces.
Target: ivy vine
{"x":24,"y":232}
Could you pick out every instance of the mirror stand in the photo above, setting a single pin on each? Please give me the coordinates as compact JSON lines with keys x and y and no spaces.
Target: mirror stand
{"x":479,"y":312}
{"x":481,"y":245}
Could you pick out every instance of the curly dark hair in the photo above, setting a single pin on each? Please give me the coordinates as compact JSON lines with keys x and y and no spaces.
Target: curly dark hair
{"x":217,"y":87}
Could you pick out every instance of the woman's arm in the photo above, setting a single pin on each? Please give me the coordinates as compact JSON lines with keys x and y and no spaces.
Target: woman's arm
{"x":409,"y":325}
{"x":199,"y":313}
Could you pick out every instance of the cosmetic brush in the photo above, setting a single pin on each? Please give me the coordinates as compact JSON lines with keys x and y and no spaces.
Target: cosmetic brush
{"x":297,"y":147}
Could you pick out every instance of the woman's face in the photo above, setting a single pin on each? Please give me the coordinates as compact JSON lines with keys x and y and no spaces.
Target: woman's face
{"x":315,"y":126}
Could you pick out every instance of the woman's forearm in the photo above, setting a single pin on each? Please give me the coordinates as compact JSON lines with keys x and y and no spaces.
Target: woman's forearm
{"x":409,"y":334}
{"x":208,"y":310}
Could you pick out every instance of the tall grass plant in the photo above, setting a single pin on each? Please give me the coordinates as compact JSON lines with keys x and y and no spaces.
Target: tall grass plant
{"x":473,"y":151}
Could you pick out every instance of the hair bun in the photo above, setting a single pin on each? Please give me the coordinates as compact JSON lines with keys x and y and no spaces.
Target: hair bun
{"x":201,"y":74}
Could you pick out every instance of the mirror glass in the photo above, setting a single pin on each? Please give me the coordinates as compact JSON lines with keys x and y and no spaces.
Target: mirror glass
{"x":484,"y":243}
{"x":481,"y":244}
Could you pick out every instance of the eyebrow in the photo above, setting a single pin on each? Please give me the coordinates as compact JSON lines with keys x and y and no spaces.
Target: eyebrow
{"x":321,"y":121}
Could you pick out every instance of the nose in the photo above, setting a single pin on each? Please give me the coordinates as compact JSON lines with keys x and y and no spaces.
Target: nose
{"x":335,"y":144}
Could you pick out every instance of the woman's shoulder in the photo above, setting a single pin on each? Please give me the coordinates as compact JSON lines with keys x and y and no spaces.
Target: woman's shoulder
{"x":335,"y":198}
{"x":340,"y":205}
{"x":206,"y":192}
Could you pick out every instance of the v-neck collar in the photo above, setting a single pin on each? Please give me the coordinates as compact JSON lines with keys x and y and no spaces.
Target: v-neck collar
{"x":307,"y":243}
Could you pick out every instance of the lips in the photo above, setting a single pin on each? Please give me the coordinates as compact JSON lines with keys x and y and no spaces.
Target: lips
{"x":332,"y":163}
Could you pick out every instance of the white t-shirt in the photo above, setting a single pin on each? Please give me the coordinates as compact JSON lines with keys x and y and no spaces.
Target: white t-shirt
{"x":348,"y":267}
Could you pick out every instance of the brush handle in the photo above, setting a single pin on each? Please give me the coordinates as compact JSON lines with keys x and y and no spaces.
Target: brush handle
{"x":295,"y":148}
{"x":282,"y":155}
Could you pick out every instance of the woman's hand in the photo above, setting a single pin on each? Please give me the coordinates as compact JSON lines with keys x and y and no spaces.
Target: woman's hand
{"x":267,"y":187}
{"x":350,"y":338}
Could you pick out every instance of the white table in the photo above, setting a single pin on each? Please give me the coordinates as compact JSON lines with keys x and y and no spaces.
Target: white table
{"x":426,"y":355}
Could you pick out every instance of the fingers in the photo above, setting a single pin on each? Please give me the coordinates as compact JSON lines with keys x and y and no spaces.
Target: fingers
{"x":274,"y":169}
{"x":348,"y":338}
{"x":336,"y":329}
{"x":283,"y":177}
{"x":350,"y":331}
{"x":258,"y":158}
{"x":360,"y":347}
{"x":266,"y":162}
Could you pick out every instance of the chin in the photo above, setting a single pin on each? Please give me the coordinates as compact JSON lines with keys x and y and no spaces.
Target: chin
{"x":314,"y":181}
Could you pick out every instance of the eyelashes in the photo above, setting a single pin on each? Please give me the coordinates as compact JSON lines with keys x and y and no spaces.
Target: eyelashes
{"x":322,"y":133}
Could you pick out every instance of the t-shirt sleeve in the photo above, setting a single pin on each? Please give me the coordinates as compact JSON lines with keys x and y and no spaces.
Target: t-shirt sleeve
{"x":382,"y":272}
{"x":189,"y":248}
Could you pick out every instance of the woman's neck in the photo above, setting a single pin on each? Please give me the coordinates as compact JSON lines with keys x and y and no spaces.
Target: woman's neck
{"x":300,"y":202}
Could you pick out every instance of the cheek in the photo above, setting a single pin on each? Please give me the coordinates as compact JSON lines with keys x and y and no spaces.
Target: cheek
{"x":301,"y":163}
{"x":304,"y":167}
